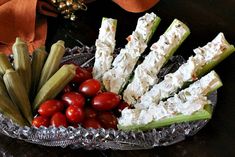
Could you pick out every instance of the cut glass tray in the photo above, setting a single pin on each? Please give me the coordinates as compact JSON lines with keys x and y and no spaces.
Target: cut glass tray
{"x":101,"y":138}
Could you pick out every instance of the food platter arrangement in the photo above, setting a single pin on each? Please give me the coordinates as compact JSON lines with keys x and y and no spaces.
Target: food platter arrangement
{"x":101,"y":97}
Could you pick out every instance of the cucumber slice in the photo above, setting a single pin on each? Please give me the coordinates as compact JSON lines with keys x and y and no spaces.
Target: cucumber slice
{"x":145,"y":74}
{"x":206,"y":113}
{"x":115,"y":79}
{"x":105,"y":45}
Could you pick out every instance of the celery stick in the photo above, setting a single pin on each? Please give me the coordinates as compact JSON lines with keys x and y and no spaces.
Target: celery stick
{"x":205,"y":59}
{"x":145,"y":74}
{"x":116,"y":78}
{"x":105,"y":45}
{"x":188,"y":105}
{"x":206,"y":113}
{"x":211,"y":64}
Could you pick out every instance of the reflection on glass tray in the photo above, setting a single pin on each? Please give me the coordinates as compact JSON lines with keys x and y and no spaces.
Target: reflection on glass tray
{"x":101,"y":138}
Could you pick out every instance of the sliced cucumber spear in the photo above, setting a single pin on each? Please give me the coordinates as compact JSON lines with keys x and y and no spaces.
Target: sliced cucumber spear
{"x":205,"y":59}
{"x":116,"y":78}
{"x":145,"y":74}
{"x":105,"y":45}
{"x":189,"y":104}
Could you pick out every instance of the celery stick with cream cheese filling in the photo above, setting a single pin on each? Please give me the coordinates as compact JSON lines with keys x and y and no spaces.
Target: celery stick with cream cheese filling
{"x":116,"y":78}
{"x":205,"y":59}
{"x":189,"y":104}
{"x":145,"y":75}
{"x":105,"y":45}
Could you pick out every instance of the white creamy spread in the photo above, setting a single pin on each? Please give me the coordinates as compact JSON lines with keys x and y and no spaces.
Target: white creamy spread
{"x":213,"y":49}
{"x":145,"y":74}
{"x":186,"y":72}
{"x":123,"y":65}
{"x":186,"y":102}
{"x":105,"y":45}
{"x":145,"y":25}
{"x":165,"y":109}
{"x":129,"y":116}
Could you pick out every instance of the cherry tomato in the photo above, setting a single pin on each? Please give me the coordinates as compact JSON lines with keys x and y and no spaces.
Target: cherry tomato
{"x":74,"y":98}
{"x":89,"y":69}
{"x":41,"y":121}
{"x":81,"y":75}
{"x":59,"y":119}
{"x":50,"y":107}
{"x":91,"y":123}
{"x":108,"y":120}
{"x":90,"y":112}
{"x":90,"y":87}
{"x":67,"y":89}
{"x":122,"y":105}
{"x":105,"y":101}
{"x":74,"y":114}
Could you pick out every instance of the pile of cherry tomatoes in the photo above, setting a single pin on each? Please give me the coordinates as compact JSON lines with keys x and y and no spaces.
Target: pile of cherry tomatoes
{"x":81,"y":103}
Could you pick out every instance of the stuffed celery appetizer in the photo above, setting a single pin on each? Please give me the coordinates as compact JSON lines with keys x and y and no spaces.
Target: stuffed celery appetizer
{"x":206,"y":58}
{"x":115,"y":79}
{"x":145,"y":74}
{"x":105,"y":45}
{"x":188,"y":105}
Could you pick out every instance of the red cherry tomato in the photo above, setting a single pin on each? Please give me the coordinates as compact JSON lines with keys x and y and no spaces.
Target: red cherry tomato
{"x":67,"y":89}
{"x":74,"y":114}
{"x":89,"y":69}
{"x":91,"y":123}
{"x":90,"y":112}
{"x":105,"y":101}
{"x":59,"y":119}
{"x":41,"y":121}
{"x":90,"y":87}
{"x":81,"y":75}
{"x":108,"y":120}
{"x":74,"y":98}
{"x":50,"y":107}
{"x":122,"y":105}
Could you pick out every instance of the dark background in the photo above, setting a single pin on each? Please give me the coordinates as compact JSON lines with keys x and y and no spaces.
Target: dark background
{"x":205,"y":18}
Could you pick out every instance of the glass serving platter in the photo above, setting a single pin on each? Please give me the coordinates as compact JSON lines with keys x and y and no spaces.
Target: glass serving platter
{"x":101,"y":138}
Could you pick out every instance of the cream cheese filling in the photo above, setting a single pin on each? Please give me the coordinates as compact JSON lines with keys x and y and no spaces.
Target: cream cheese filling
{"x":145,"y":74}
{"x":186,"y":102}
{"x":186,"y":72}
{"x":124,"y":63}
{"x":105,"y":45}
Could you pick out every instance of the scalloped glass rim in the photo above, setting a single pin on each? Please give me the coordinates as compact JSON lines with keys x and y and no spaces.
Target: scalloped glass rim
{"x":101,"y":138}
